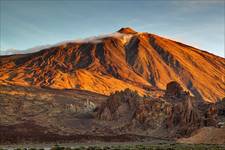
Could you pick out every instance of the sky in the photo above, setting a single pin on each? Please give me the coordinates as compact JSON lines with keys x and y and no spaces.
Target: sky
{"x":29,"y":23}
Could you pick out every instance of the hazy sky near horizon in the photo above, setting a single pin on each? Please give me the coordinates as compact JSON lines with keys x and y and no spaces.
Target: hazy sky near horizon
{"x":29,"y":23}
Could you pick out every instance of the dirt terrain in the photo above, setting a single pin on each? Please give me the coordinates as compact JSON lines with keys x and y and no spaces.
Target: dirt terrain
{"x":206,"y":135}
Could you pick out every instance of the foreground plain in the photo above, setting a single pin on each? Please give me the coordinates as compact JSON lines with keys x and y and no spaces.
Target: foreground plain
{"x":117,"y":146}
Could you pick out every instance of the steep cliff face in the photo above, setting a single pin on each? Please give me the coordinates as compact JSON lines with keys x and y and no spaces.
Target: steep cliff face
{"x":124,"y":59}
{"x":184,"y":117}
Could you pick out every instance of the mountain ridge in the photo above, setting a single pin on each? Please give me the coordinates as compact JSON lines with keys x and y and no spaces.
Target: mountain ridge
{"x":124,"y":59}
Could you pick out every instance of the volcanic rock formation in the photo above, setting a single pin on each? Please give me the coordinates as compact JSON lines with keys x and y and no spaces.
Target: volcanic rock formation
{"x":119,"y":106}
{"x":184,"y":116}
{"x":125,"y":59}
{"x":178,"y":114}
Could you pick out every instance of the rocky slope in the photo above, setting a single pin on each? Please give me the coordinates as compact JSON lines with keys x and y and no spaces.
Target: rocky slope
{"x":175,"y":114}
{"x":125,"y":59}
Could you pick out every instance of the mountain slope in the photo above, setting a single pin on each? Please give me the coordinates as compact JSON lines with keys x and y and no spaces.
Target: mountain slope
{"x":124,"y":59}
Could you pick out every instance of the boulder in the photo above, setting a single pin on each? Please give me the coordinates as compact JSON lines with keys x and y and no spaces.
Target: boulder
{"x":174,"y":89}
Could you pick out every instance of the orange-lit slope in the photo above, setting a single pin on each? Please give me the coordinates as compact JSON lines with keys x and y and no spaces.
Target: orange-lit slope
{"x":123,"y":59}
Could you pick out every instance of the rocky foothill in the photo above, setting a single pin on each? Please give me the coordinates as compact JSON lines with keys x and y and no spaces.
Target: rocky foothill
{"x":176,"y":111}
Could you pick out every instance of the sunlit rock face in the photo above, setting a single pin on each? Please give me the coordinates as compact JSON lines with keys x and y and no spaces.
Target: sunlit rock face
{"x":125,"y":59}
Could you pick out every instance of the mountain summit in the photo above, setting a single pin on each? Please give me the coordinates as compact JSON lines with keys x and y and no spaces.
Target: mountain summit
{"x":127,"y":30}
{"x":124,"y":59}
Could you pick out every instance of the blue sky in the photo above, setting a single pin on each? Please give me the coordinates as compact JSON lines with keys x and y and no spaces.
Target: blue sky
{"x":29,"y":23}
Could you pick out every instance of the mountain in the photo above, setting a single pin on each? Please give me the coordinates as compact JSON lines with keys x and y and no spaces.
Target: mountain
{"x":125,"y":59}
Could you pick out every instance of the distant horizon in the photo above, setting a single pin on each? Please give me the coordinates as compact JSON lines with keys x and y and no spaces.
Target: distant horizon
{"x":29,"y":24}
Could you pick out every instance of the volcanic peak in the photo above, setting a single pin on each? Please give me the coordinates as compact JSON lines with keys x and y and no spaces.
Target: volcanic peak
{"x":127,"y":30}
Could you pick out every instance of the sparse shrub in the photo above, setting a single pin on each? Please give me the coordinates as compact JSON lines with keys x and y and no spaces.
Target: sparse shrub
{"x":57,"y":147}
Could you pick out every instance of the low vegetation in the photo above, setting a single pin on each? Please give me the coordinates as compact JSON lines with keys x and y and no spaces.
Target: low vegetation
{"x":136,"y":147}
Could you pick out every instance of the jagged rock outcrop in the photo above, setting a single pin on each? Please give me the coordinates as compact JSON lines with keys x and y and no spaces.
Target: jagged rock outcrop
{"x":177,"y":111}
{"x":184,"y":117}
{"x":151,"y":114}
{"x":130,"y":109}
{"x":210,"y":115}
{"x":213,"y":113}
{"x":220,"y":113}
{"x":119,"y":106}
{"x":189,"y":113}
{"x":220,"y":106}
